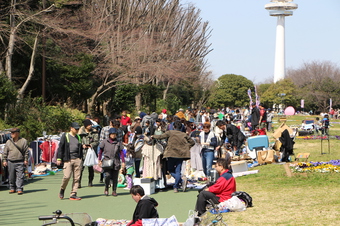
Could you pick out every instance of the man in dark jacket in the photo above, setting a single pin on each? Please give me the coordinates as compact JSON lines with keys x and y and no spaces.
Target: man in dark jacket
{"x":146,"y":206}
{"x":15,"y":157}
{"x":235,"y":136}
{"x":70,"y":153}
{"x":255,"y":116}
{"x":176,"y":151}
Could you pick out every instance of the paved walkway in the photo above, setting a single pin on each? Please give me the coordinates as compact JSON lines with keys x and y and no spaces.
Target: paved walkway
{"x":41,"y":198}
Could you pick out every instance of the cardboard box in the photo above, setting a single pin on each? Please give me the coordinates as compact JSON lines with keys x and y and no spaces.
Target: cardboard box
{"x":149,"y":187}
{"x":281,"y":128}
{"x":146,"y":180}
{"x":239,"y":166}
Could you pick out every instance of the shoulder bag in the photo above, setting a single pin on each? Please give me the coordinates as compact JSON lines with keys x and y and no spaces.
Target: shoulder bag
{"x":107,"y":164}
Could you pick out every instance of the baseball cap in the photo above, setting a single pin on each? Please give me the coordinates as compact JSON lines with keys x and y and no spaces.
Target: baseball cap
{"x":13,"y":130}
{"x":75,"y":125}
{"x":113,"y":130}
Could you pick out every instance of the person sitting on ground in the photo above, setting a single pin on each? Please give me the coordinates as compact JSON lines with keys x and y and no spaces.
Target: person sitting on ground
{"x":221,"y":190}
{"x":146,"y":206}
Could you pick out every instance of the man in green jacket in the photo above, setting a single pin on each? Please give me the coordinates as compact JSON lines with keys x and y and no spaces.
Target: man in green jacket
{"x":176,"y":151}
{"x":15,"y":157}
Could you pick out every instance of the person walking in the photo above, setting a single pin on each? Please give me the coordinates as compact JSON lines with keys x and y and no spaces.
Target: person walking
{"x":111,"y":149}
{"x":90,"y":139}
{"x":15,"y":157}
{"x":70,"y":153}
{"x":176,"y":151}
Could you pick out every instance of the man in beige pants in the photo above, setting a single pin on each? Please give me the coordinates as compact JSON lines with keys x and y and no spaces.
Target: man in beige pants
{"x":70,"y":153}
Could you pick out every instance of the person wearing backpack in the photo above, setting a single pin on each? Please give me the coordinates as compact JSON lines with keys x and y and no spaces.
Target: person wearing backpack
{"x":70,"y":153}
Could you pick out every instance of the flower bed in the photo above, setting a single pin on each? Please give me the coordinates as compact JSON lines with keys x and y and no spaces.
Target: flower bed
{"x":319,"y":167}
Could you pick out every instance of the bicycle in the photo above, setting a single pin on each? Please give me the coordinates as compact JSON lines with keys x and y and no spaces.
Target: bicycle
{"x":72,"y":219}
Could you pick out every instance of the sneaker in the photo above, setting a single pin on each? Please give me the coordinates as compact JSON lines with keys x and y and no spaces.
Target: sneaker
{"x":114,"y":194}
{"x":106,"y":192}
{"x":90,"y":184}
{"x":74,"y":197}
{"x":126,"y":188}
{"x":175,"y":190}
{"x":184,"y":184}
{"x":11,"y":191}
{"x":61,"y":194}
{"x":20,"y":192}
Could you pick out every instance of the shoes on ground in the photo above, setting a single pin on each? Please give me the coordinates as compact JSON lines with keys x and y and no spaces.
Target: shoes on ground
{"x":20,"y":192}
{"x":101,"y":181}
{"x":74,"y":197}
{"x":90,"y":184}
{"x":61,"y":194}
{"x":175,"y":190}
{"x":106,"y":192}
{"x":114,"y":194}
{"x":79,"y":186}
{"x":11,"y":191}
{"x":184,"y":184}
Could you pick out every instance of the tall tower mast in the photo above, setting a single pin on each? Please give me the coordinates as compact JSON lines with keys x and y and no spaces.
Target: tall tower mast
{"x":280,"y":9}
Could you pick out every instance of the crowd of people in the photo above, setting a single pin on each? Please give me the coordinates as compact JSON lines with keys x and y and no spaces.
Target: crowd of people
{"x":150,"y":145}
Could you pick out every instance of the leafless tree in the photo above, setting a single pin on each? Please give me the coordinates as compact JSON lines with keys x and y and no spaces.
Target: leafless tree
{"x":317,"y":82}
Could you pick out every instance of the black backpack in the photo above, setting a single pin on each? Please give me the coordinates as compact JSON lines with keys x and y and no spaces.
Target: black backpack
{"x":245,"y":197}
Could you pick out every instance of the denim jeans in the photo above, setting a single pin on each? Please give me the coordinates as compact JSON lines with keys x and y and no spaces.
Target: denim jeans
{"x":207,"y":160}
{"x":174,"y":168}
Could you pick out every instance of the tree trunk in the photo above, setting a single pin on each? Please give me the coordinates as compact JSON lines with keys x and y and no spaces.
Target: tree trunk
{"x":138,"y":100}
{"x":165,"y":92}
{"x":31,"y":70}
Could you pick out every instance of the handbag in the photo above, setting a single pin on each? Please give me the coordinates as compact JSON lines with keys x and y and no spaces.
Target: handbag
{"x":107,"y":164}
{"x":97,"y":169}
{"x":266,"y":156}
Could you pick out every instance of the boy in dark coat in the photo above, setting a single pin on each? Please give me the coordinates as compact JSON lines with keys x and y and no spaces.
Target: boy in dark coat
{"x":146,"y":206}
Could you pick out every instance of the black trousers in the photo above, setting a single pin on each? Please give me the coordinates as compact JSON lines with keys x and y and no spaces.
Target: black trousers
{"x":91,"y":174}
{"x":202,"y":199}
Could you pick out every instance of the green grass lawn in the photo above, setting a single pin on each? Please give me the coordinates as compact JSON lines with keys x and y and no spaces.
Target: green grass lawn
{"x":278,"y":199}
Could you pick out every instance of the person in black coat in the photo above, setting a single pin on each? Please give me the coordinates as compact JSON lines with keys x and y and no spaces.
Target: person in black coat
{"x":287,"y":145}
{"x":146,"y":206}
{"x":255,"y":116}
{"x":235,"y":136}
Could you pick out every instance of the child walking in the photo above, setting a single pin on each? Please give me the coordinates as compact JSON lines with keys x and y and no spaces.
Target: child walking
{"x":129,"y":164}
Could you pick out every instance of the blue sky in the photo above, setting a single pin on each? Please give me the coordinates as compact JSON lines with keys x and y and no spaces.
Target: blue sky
{"x":243,"y":36}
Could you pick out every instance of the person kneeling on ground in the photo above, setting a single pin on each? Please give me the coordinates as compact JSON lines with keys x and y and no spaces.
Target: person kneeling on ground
{"x":221,"y":190}
{"x":146,"y":206}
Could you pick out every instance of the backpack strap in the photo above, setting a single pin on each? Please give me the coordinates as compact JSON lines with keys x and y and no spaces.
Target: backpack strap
{"x":68,"y":139}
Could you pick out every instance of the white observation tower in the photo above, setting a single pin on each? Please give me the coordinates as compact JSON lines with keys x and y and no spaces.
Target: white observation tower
{"x":280,"y":9}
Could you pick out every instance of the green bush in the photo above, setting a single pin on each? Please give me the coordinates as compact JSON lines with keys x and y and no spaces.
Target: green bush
{"x":33,"y":117}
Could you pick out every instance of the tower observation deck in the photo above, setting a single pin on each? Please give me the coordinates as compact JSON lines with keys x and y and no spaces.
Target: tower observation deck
{"x":280,"y":9}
